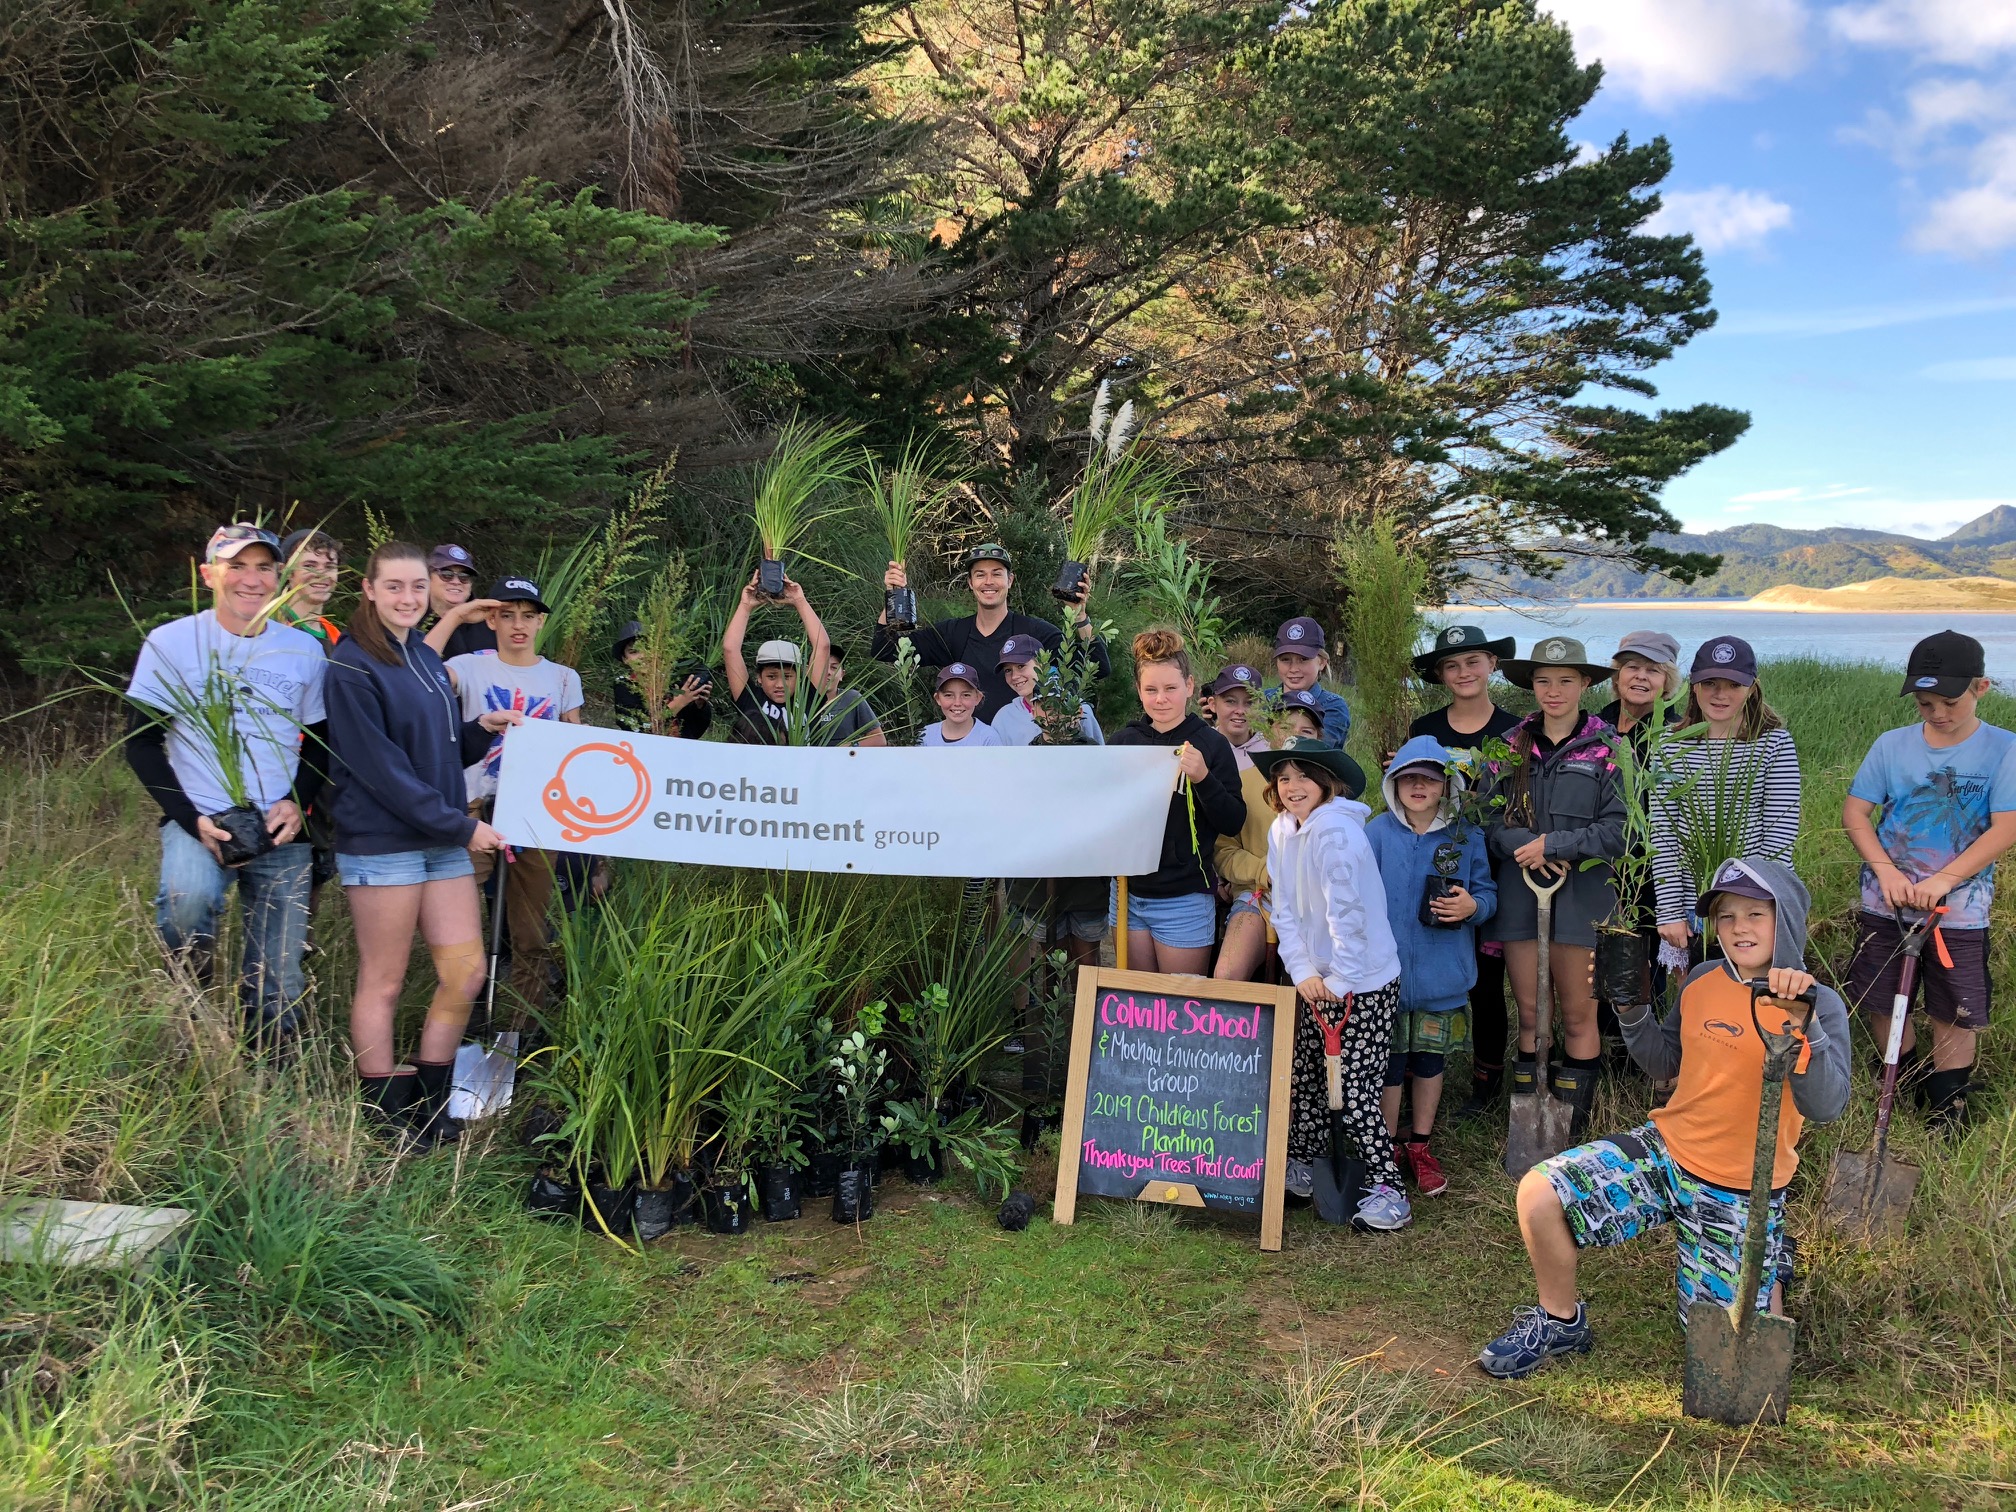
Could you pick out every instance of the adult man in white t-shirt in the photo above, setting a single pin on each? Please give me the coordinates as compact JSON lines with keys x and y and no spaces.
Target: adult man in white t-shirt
{"x":271,"y":674}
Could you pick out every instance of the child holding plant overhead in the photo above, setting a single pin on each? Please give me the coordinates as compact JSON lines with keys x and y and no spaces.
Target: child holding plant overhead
{"x":1561,"y":808}
{"x":1337,"y":947}
{"x":1734,"y":788}
{"x":1172,"y":912}
{"x":768,"y":705}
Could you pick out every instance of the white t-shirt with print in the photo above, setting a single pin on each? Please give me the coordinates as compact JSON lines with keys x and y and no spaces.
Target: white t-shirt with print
{"x":486,"y":683}
{"x":275,"y":684}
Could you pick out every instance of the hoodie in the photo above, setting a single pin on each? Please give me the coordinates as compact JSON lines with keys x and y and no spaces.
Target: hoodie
{"x":1186,"y":867}
{"x":399,"y":744}
{"x":1329,"y":908}
{"x":1708,"y":1043}
{"x":1438,"y":966}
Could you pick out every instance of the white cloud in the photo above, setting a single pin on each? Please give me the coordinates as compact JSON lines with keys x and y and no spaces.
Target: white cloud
{"x":1951,"y":31}
{"x":1840,"y":322}
{"x":1667,"y":51}
{"x":1720,"y":217}
{"x":1798,"y":493}
{"x":1972,"y":370}
{"x":1981,"y":218}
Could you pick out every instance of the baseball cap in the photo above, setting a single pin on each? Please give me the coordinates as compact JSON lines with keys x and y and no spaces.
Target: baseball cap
{"x":1019,"y":650}
{"x":1738,"y":880}
{"x":1945,"y":664}
{"x":312,"y":540}
{"x":228,"y":540}
{"x":1304,"y":698}
{"x":990,"y":551}
{"x":1234,"y":675}
{"x":1301,"y":636}
{"x":518,"y":590}
{"x":451,"y":555}
{"x":1652,"y":645}
{"x":777,"y":653}
{"x":958,"y":672}
{"x":625,"y":634}
{"x":1728,"y":657}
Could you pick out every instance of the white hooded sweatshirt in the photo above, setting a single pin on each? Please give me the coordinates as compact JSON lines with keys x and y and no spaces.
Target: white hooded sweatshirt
{"x":1329,"y":906}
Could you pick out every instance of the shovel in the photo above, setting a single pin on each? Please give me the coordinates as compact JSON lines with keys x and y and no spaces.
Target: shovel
{"x":1338,"y":1184}
{"x":1540,"y":1120}
{"x":1739,"y":1361}
{"x":1869,"y":1191}
{"x":484,"y":1079}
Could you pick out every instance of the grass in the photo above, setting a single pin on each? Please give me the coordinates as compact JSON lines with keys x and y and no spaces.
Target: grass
{"x":350,"y":1331}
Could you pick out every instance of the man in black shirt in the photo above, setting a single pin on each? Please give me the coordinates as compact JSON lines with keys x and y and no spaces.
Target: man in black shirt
{"x":976,"y":638}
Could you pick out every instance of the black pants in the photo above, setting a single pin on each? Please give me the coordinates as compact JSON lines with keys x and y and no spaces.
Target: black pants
{"x":1489,"y":1021}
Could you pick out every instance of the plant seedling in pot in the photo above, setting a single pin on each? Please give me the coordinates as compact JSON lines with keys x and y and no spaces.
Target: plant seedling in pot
{"x":807,"y":460}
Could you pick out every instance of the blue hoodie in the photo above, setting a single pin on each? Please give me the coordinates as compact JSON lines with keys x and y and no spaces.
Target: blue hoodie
{"x":1438,"y":966}
{"x":400,"y":744}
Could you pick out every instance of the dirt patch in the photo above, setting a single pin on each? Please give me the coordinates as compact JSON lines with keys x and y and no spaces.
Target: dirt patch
{"x":1291,"y":1328}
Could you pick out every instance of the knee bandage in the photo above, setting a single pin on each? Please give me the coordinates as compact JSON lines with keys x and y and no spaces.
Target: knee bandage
{"x":458,"y":971}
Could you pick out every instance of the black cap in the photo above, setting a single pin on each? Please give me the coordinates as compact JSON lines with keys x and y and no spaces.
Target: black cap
{"x":630,"y":630}
{"x":990,"y":551}
{"x":1728,"y":657}
{"x":518,"y":590}
{"x":1947,"y":664}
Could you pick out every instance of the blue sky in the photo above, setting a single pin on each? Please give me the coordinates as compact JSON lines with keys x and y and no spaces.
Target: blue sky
{"x":1850,"y":171}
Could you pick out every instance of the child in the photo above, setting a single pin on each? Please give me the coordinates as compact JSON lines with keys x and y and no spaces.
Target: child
{"x":1301,"y":715}
{"x":958,"y":699}
{"x":1438,"y":890}
{"x":691,"y":713}
{"x":313,"y":562}
{"x":1242,"y":858}
{"x":519,"y":680}
{"x":1172,"y":912}
{"x":1329,"y":910}
{"x":1691,"y":1165}
{"x":1229,"y":704}
{"x":1562,"y":808}
{"x":1946,"y":788}
{"x":1300,"y":658}
{"x":1016,"y":722}
{"x":845,"y":718}
{"x":768,"y":706}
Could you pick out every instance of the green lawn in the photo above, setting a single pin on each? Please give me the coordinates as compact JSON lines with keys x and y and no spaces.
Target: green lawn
{"x":353,"y":1332}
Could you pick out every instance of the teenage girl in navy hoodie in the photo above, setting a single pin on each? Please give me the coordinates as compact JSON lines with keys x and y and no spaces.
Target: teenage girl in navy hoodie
{"x":403,"y":836}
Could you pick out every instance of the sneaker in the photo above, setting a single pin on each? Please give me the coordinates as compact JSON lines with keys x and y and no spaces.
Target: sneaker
{"x":1384,"y":1210}
{"x":1015,"y":1046}
{"x":1429,"y":1178}
{"x":1534,"y":1338}
{"x":1301,"y":1178}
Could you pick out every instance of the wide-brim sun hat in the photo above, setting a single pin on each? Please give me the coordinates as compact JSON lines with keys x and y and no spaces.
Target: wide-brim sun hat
{"x":1554,"y":651}
{"x":1306,"y":751}
{"x":1454,"y":641}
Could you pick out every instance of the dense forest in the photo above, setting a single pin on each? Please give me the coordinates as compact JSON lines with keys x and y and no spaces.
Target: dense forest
{"x":468,"y":270}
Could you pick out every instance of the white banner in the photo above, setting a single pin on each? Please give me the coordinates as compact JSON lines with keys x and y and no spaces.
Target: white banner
{"x":1030,"y":811}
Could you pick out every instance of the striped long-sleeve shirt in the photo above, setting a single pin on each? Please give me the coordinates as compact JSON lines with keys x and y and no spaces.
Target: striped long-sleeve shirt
{"x":1761,"y":775}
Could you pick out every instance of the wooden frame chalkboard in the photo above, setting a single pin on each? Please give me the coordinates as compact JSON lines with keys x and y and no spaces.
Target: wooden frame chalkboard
{"x":1170,"y":1002}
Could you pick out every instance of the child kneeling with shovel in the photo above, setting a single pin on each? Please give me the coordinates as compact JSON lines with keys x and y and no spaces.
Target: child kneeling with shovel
{"x":1691,"y":1165}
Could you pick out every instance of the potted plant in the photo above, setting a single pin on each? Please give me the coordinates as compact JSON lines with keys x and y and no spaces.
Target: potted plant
{"x":806,"y":460}
{"x":861,"y":1080}
{"x":901,"y":501}
{"x":1623,"y":955}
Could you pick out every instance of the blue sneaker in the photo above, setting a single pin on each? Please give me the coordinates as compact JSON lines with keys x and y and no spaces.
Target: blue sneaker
{"x":1384,"y":1209}
{"x":1534,"y":1338}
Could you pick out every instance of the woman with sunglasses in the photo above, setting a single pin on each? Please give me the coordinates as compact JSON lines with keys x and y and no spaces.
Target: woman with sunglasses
{"x":457,"y":623}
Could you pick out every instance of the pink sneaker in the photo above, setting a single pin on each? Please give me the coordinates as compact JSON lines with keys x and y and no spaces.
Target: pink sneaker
{"x":1429,"y":1178}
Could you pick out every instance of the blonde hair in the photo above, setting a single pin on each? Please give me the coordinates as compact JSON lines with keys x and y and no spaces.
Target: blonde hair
{"x":1153,"y":646}
{"x":1670,"y":675}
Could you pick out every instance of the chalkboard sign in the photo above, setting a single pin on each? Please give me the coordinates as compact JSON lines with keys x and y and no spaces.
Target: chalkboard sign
{"x":1178,"y":1093}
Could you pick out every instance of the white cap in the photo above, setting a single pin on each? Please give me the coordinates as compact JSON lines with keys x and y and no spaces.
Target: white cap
{"x":777,"y":653}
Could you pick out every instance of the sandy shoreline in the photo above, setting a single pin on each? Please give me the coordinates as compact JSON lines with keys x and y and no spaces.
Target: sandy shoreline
{"x":1748,"y":606}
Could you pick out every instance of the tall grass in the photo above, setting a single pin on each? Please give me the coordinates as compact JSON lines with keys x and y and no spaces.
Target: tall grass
{"x":1383,"y":582}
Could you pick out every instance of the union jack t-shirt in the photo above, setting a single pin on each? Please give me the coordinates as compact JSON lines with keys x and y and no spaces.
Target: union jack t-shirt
{"x":485,"y":684}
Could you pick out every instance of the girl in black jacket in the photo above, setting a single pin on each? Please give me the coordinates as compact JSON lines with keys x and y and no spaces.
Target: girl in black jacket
{"x":403,"y":836}
{"x":1172,"y":913}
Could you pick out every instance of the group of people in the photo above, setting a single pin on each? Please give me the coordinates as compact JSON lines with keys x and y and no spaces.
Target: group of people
{"x":371,"y":751}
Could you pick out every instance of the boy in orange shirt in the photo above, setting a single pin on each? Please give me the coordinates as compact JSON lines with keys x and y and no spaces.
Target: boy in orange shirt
{"x":1690,"y":1166}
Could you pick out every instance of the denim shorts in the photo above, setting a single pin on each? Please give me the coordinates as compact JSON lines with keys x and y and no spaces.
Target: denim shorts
{"x":437,"y":863}
{"x":1186,"y":923}
{"x":1248,"y":903}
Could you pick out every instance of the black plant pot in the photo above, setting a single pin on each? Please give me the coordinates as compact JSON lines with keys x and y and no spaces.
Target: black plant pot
{"x":610,"y":1207}
{"x":728,"y":1209}
{"x":924,"y":1170}
{"x":553,"y":1194}
{"x":1034,"y":1125}
{"x":250,"y":839}
{"x":1622,"y":957}
{"x":822,"y":1174}
{"x":874,"y":1163}
{"x":779,"y":1192}
{"x":685,"y":1189}
{"x":901,"y":604}
{"x":770,"y":576}
{"x":854,"y":1195}
{"x":654,"y":1211}
{"x":1070,"y":584}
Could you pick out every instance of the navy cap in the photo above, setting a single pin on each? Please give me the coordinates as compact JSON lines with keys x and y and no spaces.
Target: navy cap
{"x":1945,"y":665}
{"x":1728,"y":657}
{"x":958,"y":672}
{"x":1235,"y":675}
{"x":1301,"y":636}
{"x":1739,"y":881}
{"x":517,"y":590}
{"x":1019,"y":650}
{"x":451,"y":555}
{"x":1304,"y":698}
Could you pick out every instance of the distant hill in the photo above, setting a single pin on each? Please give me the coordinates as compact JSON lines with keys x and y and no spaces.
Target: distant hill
{"x":1955,"y":595}
{"x":1758,"y":557}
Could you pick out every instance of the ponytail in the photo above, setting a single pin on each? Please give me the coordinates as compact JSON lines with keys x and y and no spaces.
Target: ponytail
{"x":365,"y":627}
{"x":1152,"y":646}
